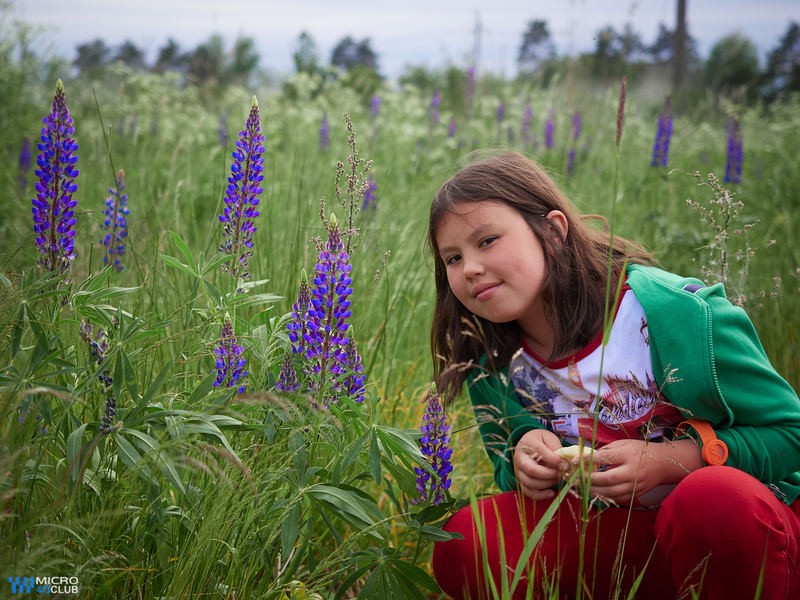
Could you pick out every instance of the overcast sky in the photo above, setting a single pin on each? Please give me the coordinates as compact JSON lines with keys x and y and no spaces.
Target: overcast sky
{"x":420,"y":32}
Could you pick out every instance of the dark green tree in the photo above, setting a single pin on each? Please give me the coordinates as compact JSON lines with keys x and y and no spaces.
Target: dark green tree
{"x":129,"y":54}
{"x":732,"y":67}
{"x":91,"y":57}
{"x":242,"y":63}
{"x":170,"y":58}
{"x":348,"y":53}
{"x":782,"y":74}
{"x":537,"y":47}
{"x":305,"y":57}
{"x":207,"y":62}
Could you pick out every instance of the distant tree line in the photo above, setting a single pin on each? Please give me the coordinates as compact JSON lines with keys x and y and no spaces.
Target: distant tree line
{"x":731,"y":69}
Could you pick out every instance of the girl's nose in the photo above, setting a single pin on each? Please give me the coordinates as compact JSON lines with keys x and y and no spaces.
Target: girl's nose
{"x":472,"y":266}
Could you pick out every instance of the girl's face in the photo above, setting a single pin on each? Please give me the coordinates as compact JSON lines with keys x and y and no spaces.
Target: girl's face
{"x":495,"y":263}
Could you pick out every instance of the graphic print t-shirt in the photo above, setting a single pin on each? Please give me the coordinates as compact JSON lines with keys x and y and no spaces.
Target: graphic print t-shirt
{"x":567,"y":395}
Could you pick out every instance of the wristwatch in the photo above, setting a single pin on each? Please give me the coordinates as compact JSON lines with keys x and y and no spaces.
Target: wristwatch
{"x":714,"y":450}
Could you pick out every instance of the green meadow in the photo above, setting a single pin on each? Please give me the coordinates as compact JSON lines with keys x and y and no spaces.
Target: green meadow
{"x":200,"y":492}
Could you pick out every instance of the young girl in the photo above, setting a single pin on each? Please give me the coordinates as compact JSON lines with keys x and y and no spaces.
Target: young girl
{"x":695,"y":439}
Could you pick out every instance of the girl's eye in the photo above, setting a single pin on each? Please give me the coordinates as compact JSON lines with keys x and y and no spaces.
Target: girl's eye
{"x":487,"y":241}
{"x":453,"y":259}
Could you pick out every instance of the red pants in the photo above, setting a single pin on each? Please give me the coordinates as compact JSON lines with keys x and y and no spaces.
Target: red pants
{"x":716,"y":534}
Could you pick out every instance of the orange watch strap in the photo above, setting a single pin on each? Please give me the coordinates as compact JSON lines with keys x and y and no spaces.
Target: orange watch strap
{"x":714,"y":451}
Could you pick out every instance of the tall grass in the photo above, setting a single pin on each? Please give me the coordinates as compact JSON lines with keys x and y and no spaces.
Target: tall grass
{"x":200,"y":492}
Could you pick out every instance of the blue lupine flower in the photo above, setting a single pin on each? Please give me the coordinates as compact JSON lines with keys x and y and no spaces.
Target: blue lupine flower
{"x":663,"y":134}
{"x":525,"y":128}
{"x":324,"y":133}
{"x":241,"y":196}
{"x":452,"y":127}
{"x":433,"y":109}
{"x":222,"y":131}
{"x":287,"y":378}
{"x":354,"y":378}
{"x":297,"y":325}
{"x":53,"y":206}
{"x":501,"y":113}
{"x":326,"y":352}
{"x":98,"y":349}
{"x":435,"y":446}
{"x":576,"y":133}
{"x":115,"y":223}
{"x":24,"y":164}
{"x":549,"y":130}
{"x":375,"y":106}
{"x":733,"y":165}
{"x":230,"y":362}
{"x":471,"y":84}
{"x":370,"y":193}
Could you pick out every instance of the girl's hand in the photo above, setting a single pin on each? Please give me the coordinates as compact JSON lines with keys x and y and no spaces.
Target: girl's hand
{"x":636,"y":467}
{"x":537,"y":466}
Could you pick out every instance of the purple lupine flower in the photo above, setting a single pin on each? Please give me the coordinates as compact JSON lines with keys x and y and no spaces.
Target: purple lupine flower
{"x":663,"y":134}
{"x":327,"y":339}
{"x":452,"y":127}
{"x":287,"y":378}
{"x":297,"y":325}
{"x":53,"y":206}
{"x":354,"y":378}
{"x":576,"y":125}
{"x":549,"y":130}
{"x":525,"y":128}
{"x":733,"y":165}
{"x":433,"y":109}
{"x":375,"y":106}
{"x":370,"y":193}
{"x":324,"y":133}
{"x":98,"y":349}
{"x":471,"y":84}
{"x":24,"y":164}
{"x":576,"y":133}
{"x":241,"y":196}
{"x":435,"y":446}
{"x":222,"y":131}
{"x":115,"y":223}
{"x":230,"y":362}
{"x":501,"y":113}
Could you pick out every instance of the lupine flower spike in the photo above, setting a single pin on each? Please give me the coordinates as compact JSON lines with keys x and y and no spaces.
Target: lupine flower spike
{"x":549,"y":131}
{"x":375,"y":106}
{"x":576,"y":133}
{"x":298,"y":331}
{"x":525,"y":128}
{"x":241,"y":196}
{"x":115,"y":223}
{"x":230,"y":362}
{"x":370,"y":192}
{"x":54,"y":206}
{"x":328,"y":357}
{"x":733,"y":165}
{"x":433,"y":482}
{"x":452,"y":127}
{"x":663,"y":135}
{"x":24,"y":164}
{"x":324,"y":133}
{"x":433,"y":109}
{"x":98,"y":349}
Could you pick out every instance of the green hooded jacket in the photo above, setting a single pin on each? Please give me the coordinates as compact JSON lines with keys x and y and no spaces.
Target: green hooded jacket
{"x":708,"y":362}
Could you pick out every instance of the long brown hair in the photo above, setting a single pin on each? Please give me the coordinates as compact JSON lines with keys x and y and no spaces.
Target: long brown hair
{"x":577,"y":269}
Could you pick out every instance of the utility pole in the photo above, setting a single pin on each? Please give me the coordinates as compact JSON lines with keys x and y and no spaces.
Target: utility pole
{"x":476,"y":40}
{"x":679,"y":51}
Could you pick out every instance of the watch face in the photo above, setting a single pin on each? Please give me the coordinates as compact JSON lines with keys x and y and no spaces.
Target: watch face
{"x":715,"y":452}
